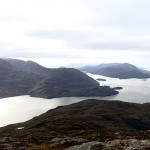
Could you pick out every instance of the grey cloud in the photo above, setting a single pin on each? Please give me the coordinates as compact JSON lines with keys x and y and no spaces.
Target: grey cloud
{"x":130,"y":16}
{"x":72,"y":38}
{"x":94,"y":40}
{"x":11,"y":18}
{"x":121,"y":13}
{"x":120,"y":45}
{"x":33,"y":53}
{"x":11,"y":51}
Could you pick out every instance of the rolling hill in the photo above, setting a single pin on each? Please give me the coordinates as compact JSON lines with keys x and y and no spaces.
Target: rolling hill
{"x":117,"y":70}
{"x":64,"y":82}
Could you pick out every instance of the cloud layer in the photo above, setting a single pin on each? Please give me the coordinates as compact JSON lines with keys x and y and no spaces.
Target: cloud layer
{"x":67,"y":29}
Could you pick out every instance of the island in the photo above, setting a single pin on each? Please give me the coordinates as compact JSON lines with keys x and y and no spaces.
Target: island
{"x":99,"y":79}
{"x":118,"y":88}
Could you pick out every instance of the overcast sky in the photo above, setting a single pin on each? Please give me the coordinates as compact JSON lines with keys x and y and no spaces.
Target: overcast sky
{"x":61,"y":32}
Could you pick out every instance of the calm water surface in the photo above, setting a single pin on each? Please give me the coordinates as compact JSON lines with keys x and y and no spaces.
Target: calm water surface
{"x":134,"y":90}
{"x":22,"y":108}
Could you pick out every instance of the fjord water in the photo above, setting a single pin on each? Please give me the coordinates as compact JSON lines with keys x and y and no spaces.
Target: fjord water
{"x":134,"y":90}
{"x":21,"y":108}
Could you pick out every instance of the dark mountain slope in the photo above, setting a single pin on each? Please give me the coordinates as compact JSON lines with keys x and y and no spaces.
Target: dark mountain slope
{"x":66,"y":82}
{"x":28,"y":66}
{"x":90,"y":119}
{"x":20,"y":78}
{"x":6,"y":67}
{"x":15,"y":82}
{"x":121,"y":115}
{"x":117,"y":70}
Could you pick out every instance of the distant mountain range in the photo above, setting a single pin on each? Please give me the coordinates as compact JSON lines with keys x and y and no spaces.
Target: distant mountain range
{"x":82,"y":122}
{"x":117,"y":70}
{"x":19,"y":77}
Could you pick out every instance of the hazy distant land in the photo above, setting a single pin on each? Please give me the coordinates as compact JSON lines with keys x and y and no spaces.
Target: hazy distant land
{"x":117,"y":70}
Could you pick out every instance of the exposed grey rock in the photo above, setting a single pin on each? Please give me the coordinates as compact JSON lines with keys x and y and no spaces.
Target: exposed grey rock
{"x":94,"y":145}
{"x":130,"y":144}
{"x":68,"y":139}
{"x":6,"y":139}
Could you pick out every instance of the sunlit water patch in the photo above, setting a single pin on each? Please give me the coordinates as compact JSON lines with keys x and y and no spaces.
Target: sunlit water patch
{"x":134,"y":90}
{"x":22,"y":108}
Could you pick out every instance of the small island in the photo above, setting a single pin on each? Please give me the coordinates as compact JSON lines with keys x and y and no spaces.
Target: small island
{"x":118,"y":88}
{"x":99,"y":79}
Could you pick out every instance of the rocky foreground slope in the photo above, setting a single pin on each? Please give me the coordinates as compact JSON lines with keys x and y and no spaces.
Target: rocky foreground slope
{"x":86,"y":125}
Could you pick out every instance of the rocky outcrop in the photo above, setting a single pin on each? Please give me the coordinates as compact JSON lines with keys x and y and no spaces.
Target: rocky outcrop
{"x":68,"y":143}
{"x":130,"y":144}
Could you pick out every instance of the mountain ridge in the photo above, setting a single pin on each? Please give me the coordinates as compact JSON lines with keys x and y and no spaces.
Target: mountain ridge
{"x":19,"y":77}
{"x":29,"y":66}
